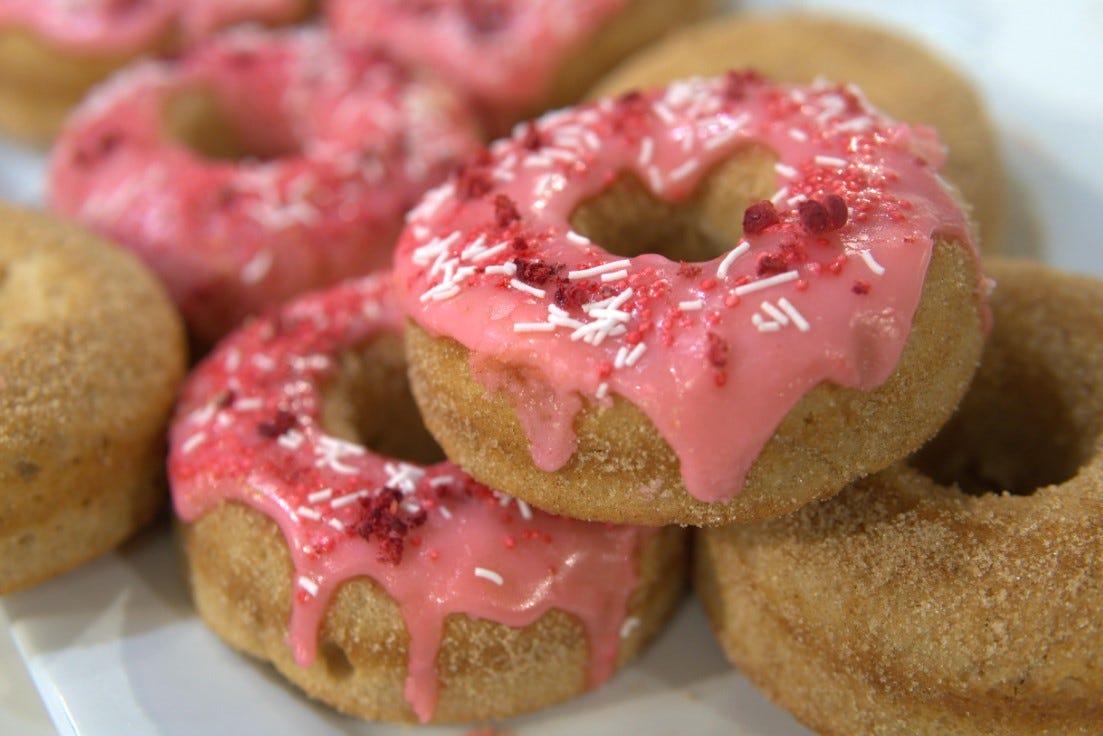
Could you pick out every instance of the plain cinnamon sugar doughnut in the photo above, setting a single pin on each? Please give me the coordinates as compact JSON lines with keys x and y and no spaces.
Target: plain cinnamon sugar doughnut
{"x":513,"y":58}
{"x":91,"y":353}
{"x":900,"y":75}
{"x":959,"y":592}
{"x":324,"y":533}
{"x":53,"y":51}
{"x":693,"y":305}
{"x":257,"y":166}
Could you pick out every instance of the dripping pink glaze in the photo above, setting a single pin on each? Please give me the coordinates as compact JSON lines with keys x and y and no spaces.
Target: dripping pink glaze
{"x":713,"y":383}
{"x":267,"y":378}
{"x":503,"y":53}
{"x":129,"y":26}
{"x":351,"y":139}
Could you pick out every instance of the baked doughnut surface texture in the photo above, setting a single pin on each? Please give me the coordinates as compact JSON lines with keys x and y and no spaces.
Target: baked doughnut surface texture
{"x":513,"y":58}
{"x":898,"y":74}
{"x":691,"y":305}
{"x":53,"y":51}
{"x":257,"y":166}
{"x":390,"y":589}
{"x":958,"y":593}
{"x":91,"y":353}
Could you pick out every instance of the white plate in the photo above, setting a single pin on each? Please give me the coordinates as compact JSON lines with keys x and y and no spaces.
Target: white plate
{"x":115,"y":647}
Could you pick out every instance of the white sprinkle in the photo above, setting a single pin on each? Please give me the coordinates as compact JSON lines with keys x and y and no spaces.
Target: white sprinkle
{"x":308,"y":513}
{"x":477,"y":246}
{"x":622,"y":355}
{"x":522,"y":286}
{"x":591,"y":140}
{"x":257,"y":267}
{"x":192,"y":442}
{"x":308,"y":585}
{"x":251,"y":403}
{"x":832,"y":161}
{"x":444,"y":511}
{"x":857,"y":125}
{"x":526,"y":512}
{"x":614,"y":275}
{"x":485,"y":574}
{"x":440,"y":480}
{"x":777,"y":315}
{"x":798,"y":135}
{"x":233,"y":360}
{"x":693,"y":306}
{"x":730,"y":258}
{"x":336,"y":524}
{"x":491,"y":252}
{"x":665,"y":113}
{"x":766,"y":283}
{"x":602,"y":390}
{"x":874,"y":266}
{"x":785,"y":170}
{"x":795,"y":200}
{"x":635,"y":355}
{"x":534,"y":327}
{"x":655,"y":178}
{"x":348,"y":498}
{"x":505,"y":269}
{"x":793,"y":314}
{"x":685,"y":170}
{"x":599,"y":269}
{"x":578,"y":238}
{"x":764,"y":325}
{"x":647,"y":151}
{"x":779,"y":196}
{"x":318,"y":496}
{"x":630,"y":624}
{"x":292,"y":439}
{"x":263,"y":362}
{"x":721,"y":140}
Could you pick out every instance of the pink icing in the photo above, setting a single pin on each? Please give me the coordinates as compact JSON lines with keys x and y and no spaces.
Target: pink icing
{"x":353,"y":140}
{"x":129,"y":26}
{"x":248,"y":430}
{"x":715,"y":353}
{"x":503,"y":53}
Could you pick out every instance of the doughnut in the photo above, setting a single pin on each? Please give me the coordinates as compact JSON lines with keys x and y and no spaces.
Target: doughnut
{"x":958,"y":592}
{"x":693,"y":305}
{"x":257,"y":166}
{"x":53,"y":51}
{"x":91,"y":354}
{"x":392,"y":589}
{"x":898,"y":74}
{"x":513,"y":58}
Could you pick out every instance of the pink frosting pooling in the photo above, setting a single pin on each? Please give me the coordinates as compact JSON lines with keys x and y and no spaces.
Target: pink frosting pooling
{"x":503,"y":53}
{"x":129,"y":26}
{"x":248,"y":430}
{"x":350,"y":140}
{"x":714,"y":353}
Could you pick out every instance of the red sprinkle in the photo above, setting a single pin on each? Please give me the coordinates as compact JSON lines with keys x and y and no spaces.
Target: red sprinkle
{"x":718,"y":350}
{"x":472,"y":182}
{"x":837,"y":211}
{"x":280,"y":423}
{"x":759,"y":216}
{"x":821,"y":217}
{"x":771,"y":263}
{"x":505,"y":211}
{"x":530,"y":139}
{"x":860,"y":287}
{"x":689,"y":270}
{"x":510,"y":541}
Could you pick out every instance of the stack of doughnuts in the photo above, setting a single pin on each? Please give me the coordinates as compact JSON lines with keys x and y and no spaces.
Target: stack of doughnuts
{"x":464,"y":400}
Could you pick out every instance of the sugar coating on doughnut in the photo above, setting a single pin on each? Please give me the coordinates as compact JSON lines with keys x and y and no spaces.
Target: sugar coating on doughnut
{"x":502,"y":50}
{"x":117,"y":26}
{"x":248,"y":429}
{"x":821,"y":287}
{"x":343,"y":142}
{"x":957,"y":592}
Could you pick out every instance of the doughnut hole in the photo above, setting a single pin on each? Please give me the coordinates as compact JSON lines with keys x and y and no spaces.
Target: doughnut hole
{"x":1030,"y":419}
{"x":628,"y":220}
{"x":369,"y":402}
{"x":208,"y":125}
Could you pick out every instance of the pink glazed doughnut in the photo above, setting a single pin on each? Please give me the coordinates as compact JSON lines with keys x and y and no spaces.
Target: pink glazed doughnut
{"x":53,"y":51}
{"x":513,"y":58}
{"x":707,"y":303}
{"x":391,"y":589}
{"x":257,"y":166}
